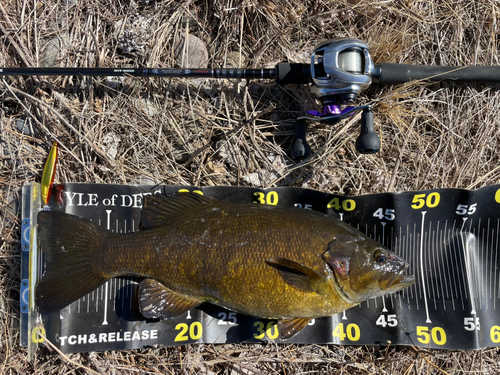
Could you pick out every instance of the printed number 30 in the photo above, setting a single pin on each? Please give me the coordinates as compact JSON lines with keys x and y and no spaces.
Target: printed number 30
{"x":270,"y":198}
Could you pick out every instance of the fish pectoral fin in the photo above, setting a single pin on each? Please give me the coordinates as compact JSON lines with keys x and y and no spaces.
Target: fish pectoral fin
{"x":297,"y":275}
{"x":156,"y":301}
{"x":290,"y":327}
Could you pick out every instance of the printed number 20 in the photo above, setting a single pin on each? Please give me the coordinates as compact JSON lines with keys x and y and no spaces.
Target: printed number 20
{"x":195,"y":331}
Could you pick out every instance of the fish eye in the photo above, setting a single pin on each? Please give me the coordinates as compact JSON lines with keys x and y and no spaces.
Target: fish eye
{"x":380,"y":256}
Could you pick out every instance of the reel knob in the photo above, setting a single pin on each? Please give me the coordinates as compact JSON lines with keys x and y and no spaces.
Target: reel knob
{"x":368,"y":141}
{"x":300,"y":148}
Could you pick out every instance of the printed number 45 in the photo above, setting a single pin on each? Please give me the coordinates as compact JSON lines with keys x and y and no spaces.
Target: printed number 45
{"x":388,"y":214}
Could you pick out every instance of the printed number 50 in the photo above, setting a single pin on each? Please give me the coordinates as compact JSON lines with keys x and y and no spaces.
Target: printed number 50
{"x":437,"y":334}
{"x":420,"y":200}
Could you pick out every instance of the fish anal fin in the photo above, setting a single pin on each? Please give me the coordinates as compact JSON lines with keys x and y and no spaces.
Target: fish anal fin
{"x":290,"y":327}
{"x":158,"y":302}
{"x":297,"y":275}
{"x":158,"y":209}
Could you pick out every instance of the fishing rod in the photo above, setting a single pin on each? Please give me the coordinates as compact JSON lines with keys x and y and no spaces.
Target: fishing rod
{"x":338,"y":72}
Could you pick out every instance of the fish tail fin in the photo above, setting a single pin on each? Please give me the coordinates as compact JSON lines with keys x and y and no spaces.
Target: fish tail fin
{"x":74,"y":251}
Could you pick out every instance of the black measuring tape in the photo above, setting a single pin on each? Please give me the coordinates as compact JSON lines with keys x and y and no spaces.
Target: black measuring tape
{"x":450,"y":237}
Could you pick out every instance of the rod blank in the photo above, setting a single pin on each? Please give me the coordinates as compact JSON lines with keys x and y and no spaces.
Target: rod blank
{"x":144,"y":72}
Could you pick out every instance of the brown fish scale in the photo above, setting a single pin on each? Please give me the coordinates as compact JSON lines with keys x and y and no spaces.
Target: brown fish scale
{"x":218,"y":255}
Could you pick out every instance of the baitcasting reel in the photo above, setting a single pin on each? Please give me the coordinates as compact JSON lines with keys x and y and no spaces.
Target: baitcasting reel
{"x":340,"y":69}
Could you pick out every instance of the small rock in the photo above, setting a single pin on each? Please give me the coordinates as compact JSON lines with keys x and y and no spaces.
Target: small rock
{"x":231,"y":155}
{"x":233,"y":60}
{"x":180,"y":155}
{"x":146,"y":105}
{"x":194,"y":54}
{"x":133,"y":33}
{"x":110,"y":142}
{"x":69,"y":3}
{"x":114,"y":82}
{"x":24,"y":125}
{"x":143,"y":180}
{"x":55,"y":49}
{"x":264,"y":178}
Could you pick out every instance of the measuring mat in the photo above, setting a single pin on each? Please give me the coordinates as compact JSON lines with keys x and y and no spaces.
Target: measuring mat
{"x":450,"y":237}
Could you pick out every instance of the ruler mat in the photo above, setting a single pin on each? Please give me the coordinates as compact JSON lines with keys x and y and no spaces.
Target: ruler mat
{"x":450,"y":237}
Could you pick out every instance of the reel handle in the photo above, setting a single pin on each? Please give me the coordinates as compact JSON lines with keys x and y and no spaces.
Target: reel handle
{"x":300,"y":148}
{"x":368,"y":141}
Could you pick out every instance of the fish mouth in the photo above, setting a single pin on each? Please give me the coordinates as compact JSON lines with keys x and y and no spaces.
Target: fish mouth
{"x":396,"y":281}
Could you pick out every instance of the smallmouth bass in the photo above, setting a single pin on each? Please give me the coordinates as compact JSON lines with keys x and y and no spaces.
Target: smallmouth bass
{"x":269,"y":262}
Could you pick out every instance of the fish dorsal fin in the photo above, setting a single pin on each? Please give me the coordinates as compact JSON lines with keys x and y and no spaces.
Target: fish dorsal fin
{"x":297,"y":275}
{"x":158,"y":209}
{"x":156,"y":301}
{"x":290,"y":327}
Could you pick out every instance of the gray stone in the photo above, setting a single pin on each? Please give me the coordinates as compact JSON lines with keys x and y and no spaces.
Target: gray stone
{"x":193,"y":54}
{"x":55,"y":49}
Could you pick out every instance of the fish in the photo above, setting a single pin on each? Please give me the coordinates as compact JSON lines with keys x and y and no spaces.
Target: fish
{"x":265,"y":261}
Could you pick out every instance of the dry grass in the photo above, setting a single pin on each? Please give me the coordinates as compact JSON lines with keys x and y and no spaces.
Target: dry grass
{"x":223,"y":133}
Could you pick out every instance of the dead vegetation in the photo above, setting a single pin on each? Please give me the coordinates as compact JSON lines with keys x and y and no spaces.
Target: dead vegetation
{"x":226,"y":132}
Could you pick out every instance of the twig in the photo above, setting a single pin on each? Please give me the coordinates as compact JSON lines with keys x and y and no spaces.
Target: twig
{"x":97,"y":150}
{"x":65,"y":357}
{"x":18,"y":49}
{"x":11,"y":89}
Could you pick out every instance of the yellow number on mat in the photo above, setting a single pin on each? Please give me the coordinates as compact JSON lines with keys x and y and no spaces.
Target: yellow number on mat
{"x":495,"y":334}
{"x":346,"y":204}
{"x":195,"y":331}
{"x":437,"y":334}
{"x":271,"y":198}
{"x":352,"y":332}
{"x":420,"y":201}
{"x":187,"y":191}
{"x":34,"y":336}
{"x":271,"y":330}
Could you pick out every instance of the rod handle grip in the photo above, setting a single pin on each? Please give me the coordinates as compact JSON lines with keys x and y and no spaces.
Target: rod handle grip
{"x":388,"y":73}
